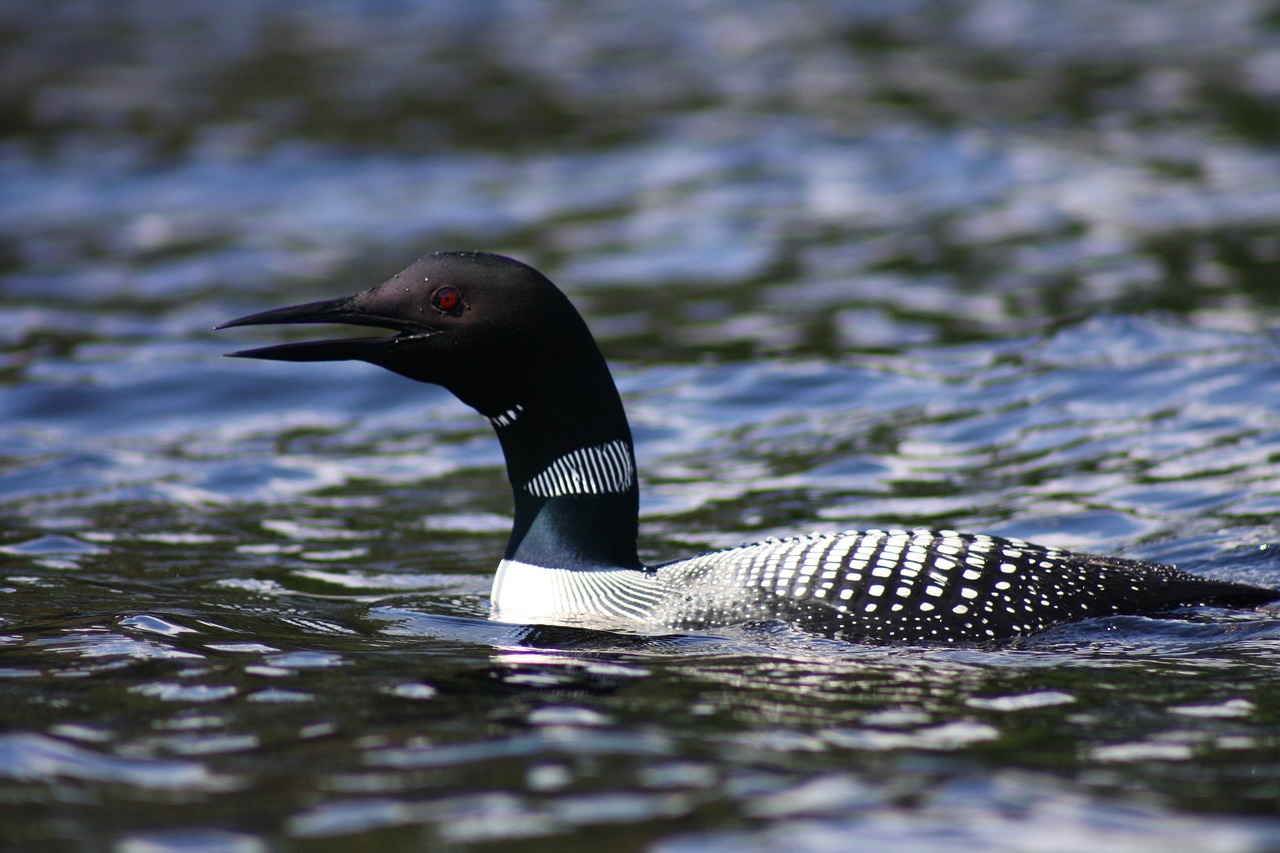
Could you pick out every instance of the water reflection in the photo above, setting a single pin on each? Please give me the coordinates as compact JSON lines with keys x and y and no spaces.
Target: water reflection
{"x":39,"y":758}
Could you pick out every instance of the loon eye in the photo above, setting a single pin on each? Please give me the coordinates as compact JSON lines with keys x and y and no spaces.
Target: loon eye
{"x":447,"y":300}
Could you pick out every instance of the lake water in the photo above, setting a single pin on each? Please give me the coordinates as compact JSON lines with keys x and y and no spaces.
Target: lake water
{"x":1007,"y":267}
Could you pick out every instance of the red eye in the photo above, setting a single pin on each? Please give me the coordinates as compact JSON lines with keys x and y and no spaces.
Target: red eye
{"x":447,"y":299}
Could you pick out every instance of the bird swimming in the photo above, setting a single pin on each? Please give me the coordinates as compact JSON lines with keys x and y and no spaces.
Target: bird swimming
{"x":507,"y":342}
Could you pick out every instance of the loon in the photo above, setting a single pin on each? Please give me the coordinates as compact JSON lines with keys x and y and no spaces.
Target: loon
{"x":507,"y":342}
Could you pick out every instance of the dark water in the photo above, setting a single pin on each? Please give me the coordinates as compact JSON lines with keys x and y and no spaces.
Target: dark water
{"x":1009,"y":267}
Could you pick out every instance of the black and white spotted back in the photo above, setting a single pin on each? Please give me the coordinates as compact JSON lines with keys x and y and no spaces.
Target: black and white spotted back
{"x":923,"y":586}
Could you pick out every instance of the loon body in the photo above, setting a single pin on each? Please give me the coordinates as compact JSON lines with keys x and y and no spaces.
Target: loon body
{"x":507,"y":342}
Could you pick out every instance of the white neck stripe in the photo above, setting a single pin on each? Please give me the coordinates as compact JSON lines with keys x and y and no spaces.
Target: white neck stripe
{"x":508,"y":417}
{"x":606,"y":469}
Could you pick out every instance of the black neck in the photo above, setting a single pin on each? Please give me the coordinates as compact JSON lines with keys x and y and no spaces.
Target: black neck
{"x":570,"y":419}
{"x":579,"y":532}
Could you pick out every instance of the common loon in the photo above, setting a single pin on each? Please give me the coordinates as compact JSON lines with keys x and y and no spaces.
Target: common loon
{"x":503,"y":339}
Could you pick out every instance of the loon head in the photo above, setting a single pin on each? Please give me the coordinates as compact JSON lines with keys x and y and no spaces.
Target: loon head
{"x":503,"y":339}
{"x":481,"y":325}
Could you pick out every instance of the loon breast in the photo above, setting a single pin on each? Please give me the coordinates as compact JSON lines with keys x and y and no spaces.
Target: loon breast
{"x":621,"y":599}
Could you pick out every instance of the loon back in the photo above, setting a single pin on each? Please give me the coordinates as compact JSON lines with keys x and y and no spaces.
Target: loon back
{"x":508,"y":343}
{"x":925,"y":586}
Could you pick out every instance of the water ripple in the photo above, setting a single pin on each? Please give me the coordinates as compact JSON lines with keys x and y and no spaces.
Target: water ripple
{"x":33,"y":757}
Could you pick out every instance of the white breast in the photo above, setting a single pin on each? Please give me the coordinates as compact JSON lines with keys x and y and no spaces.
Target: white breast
{"x":620,"y":599}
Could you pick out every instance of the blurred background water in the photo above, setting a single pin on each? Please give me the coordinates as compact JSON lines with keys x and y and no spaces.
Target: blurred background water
{"x":1009,"y":266}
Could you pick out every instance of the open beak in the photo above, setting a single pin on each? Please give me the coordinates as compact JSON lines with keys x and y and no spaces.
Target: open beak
{"x":348,"y":310}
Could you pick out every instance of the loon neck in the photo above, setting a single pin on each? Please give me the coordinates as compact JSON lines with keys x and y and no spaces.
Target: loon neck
{"x":571,"y":463}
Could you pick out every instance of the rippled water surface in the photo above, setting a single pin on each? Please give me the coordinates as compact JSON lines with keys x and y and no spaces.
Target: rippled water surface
{"x":1009,"y":267}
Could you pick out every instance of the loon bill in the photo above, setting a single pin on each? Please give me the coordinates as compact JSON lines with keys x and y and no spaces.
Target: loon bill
{"x":504,"y":340}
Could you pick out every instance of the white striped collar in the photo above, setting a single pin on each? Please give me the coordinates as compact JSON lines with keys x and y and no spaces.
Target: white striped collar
{"x":604,"y":469}
{"x":508,"y":417}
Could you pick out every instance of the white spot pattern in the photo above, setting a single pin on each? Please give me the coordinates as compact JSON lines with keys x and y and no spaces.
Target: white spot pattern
{"x":605,"y":469}
{"x":984,"y":589}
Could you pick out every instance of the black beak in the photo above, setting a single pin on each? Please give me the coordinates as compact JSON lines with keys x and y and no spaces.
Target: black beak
{"x":348,"y":310}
